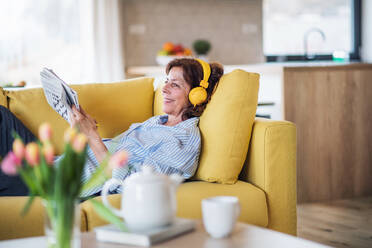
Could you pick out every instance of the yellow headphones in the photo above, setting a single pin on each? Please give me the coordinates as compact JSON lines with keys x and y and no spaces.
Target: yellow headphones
{"x":198,"y":94}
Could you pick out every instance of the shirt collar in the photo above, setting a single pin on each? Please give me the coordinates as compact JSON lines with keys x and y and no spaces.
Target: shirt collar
{"x":162,"y":119}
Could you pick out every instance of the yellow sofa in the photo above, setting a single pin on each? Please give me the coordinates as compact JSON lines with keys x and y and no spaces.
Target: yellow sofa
{"x":266,"y":186}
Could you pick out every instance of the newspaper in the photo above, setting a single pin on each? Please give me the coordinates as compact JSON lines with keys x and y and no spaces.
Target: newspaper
{"x":58,"y":94}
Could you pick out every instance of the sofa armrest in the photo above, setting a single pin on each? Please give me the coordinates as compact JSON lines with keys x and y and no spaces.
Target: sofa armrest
{"x":271,"y":166}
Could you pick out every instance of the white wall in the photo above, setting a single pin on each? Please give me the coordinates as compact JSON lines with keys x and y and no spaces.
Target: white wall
{"x":366,"y":51}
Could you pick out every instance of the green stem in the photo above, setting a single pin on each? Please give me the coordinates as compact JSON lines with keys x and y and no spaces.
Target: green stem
{"x":62,"y":214}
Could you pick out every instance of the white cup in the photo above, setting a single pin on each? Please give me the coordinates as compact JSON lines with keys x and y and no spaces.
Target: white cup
{"x":220,"y":214}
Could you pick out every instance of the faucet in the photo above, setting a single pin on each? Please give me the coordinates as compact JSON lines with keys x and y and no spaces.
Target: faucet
{"x":306,"y":37}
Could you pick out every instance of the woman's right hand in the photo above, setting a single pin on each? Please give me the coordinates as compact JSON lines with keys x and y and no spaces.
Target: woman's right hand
{"x":88,"y":126}
{"x":85,"y":123}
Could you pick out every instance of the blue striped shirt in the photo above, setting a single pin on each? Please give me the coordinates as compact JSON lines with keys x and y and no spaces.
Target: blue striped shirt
{"x":168,"y":149}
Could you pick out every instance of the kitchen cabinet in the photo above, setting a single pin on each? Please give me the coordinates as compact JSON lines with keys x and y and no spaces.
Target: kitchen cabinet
{"x":332,"y":109}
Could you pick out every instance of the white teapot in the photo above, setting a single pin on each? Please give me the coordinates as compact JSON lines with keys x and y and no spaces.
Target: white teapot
{"x":148,"y":198}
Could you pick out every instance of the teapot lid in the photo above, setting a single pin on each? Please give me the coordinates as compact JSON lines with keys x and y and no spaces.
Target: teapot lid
{"x":147,"y":175}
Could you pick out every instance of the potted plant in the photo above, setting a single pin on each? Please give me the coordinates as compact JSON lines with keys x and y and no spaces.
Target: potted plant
{"x":201,"y":48}
{"x":58,"y":182}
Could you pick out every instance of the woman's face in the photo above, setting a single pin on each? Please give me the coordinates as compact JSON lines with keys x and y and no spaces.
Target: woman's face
{"x":175,"y":92}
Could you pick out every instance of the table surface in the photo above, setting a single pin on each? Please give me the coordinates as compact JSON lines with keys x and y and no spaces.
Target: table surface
{"x":244,"y":235}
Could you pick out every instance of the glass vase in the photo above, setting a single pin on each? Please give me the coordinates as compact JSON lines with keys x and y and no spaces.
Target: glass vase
{"x":62,"y":224}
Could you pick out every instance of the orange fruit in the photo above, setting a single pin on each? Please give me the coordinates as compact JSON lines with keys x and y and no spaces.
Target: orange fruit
{"x":168,"y":46}
{"x":187,"y":52}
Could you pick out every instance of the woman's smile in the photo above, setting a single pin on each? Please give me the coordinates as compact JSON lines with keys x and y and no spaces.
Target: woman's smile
{"x":168,"y":100}
{"x":175,"y":94}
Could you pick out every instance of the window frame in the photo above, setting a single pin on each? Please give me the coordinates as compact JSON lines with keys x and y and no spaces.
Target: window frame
{"x":356,"y":39}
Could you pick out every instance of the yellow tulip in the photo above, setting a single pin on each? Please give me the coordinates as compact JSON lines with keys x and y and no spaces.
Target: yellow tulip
{"x":45,"y":132}
{"x":48,"y":152}
{"x":70,"y":135}
{"x":32,"y":153}
{"x":19,"y":148}
{"x":79,"y":142}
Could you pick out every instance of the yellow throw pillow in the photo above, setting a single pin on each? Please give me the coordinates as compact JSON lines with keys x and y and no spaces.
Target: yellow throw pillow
{"x":115,"y":106}
{"x":226,"y":126}
{"x":2,"y":98}
{"x":158,"y":101}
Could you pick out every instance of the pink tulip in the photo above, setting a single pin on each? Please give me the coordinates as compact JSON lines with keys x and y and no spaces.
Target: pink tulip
{"x":79,"y":142}
{"x":119,"y":159}
{"x":19,"y":148}
{"x":45,"y":132}
{"x":48,"y":152}
{"x":32,"y":153}
{"x":10,"y":163}
{"x":70,"y":135}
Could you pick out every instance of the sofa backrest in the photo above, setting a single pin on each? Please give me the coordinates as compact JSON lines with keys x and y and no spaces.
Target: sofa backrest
{"x":115,"y":106}
{"x":225,"y":126}
{"x":3,"y":101}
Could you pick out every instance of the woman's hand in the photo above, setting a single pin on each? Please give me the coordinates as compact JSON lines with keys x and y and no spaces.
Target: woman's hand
{"x":85,"y":123}
{"x":88,"y":126}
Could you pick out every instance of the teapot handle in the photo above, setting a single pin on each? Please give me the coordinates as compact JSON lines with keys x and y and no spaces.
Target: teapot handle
{"x":105,"y":189}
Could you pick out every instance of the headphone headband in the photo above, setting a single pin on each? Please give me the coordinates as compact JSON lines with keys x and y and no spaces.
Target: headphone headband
{"x":206,"y":73}
{"x":198,"y":95}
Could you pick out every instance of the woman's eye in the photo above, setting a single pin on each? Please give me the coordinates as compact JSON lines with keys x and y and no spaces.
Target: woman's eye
{"x":174,"y":85}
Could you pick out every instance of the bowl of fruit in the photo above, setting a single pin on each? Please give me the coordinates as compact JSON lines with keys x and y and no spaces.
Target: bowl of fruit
{"x":172,"y":51}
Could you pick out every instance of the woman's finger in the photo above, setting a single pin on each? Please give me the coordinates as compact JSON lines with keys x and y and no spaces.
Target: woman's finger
{"x":83,"y":111}
{"x":77,"y":114}
{"x":74,"y":110}
{"x":72,"y":119}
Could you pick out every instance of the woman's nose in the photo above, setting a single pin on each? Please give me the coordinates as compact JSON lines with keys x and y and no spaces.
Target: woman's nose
{"x":165,"y":89}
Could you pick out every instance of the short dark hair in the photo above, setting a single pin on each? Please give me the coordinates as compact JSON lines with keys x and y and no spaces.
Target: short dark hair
{"x":193,"y":74}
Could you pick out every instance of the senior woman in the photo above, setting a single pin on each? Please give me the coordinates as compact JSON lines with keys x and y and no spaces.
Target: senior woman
{"x":169,"y":143}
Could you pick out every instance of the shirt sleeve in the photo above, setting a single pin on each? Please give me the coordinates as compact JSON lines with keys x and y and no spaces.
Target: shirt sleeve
{"x":90,"y":167}
{"x":175,"y":156}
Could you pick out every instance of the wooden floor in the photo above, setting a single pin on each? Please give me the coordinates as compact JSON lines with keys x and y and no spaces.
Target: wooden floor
{"x":341,"y":223}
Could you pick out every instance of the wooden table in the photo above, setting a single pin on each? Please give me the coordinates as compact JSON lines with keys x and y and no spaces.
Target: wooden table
{"x":244,"y":235}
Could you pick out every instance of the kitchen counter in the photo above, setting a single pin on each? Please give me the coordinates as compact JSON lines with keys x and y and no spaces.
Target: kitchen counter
{"x":272,"y":67}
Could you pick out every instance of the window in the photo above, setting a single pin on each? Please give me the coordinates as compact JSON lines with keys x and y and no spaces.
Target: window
{"x":37,"y":34}
{"x":310,"y":29}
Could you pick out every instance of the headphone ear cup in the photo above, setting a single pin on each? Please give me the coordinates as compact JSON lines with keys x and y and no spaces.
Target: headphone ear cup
{"x":197,"y":95}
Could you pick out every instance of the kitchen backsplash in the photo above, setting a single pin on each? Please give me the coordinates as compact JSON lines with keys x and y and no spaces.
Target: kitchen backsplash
{"x":234,"y":28}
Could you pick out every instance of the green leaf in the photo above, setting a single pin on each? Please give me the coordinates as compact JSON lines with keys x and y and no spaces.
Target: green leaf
{"x":108,"y":215}
{"x":27,"y":205}
{"x":28,"y":179}
{"x":98,"y":177}
{"x":15,"y":135}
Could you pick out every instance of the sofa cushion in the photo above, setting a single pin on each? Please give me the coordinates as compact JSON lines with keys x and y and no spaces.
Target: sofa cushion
{"x":189,"y":196}
{"x":2,"y":97}
{"x":226,"y":126}
{"x":252,"y":200}
{"x":111,"y":104}
{"x":13,"y":225}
